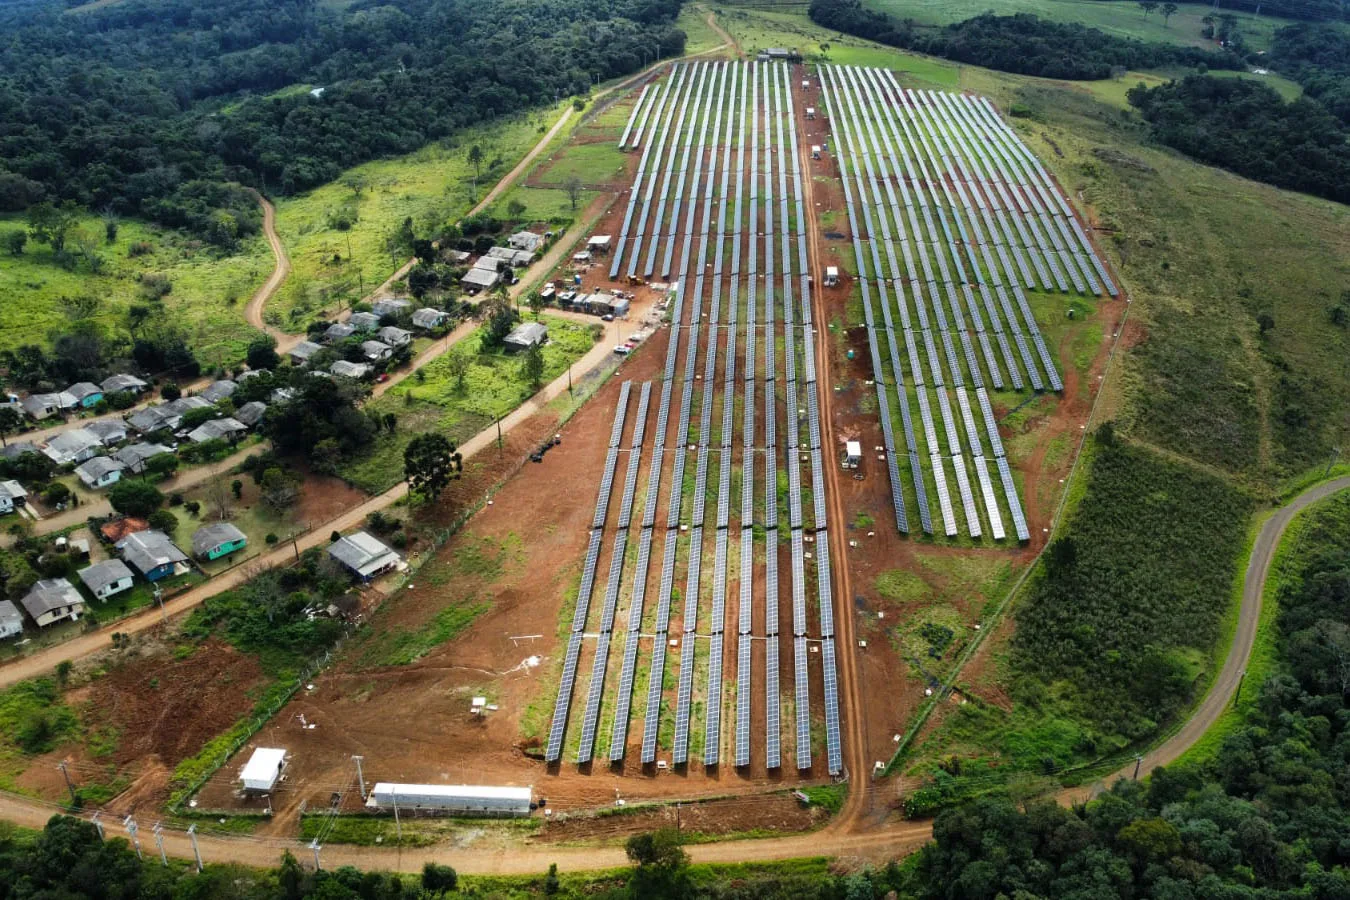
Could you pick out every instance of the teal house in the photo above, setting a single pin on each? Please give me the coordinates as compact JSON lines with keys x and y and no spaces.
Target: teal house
{"x":216,"y":540}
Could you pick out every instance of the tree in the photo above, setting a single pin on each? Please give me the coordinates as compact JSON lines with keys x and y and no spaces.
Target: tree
{"x":10,"y":421}
{"x":278,"y":488}
{"x":537,"y":303}
{"x":458,"y":366}
{"x":164,"y":521}
{"x":1148,"y":6}
{"x":437,"y":879}
{"x":49,"y":224}
{"x":237,"y":488}
{"x":15,"y":241}
{"x":476,"y":160}
{"x":262,"y":353}
{"x":390,"y":421}
{"x":326,"y":456}
{"x":500,"y":318}
{"x":573,"y":188}
{"x":532,"y":367}
{"x":133,"y":497}
{"x":661,"y":864}
{"x":430,"y":463}
{"x":1168,"y":10}
{"x":514,"y":210}
{"x":110,"y":230}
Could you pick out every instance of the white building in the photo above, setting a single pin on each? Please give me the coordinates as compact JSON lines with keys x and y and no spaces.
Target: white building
{"x":263,"y":769}
{"x":452,"y":799}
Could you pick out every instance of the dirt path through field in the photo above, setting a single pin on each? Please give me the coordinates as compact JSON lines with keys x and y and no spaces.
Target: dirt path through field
{"x":253,"y":313}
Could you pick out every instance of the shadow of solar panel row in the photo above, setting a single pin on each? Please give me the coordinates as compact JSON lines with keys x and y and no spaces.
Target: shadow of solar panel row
{"x":834,"y":756}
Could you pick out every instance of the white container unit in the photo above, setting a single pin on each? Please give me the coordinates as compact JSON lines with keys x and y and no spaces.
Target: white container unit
{"x":452,"y":799}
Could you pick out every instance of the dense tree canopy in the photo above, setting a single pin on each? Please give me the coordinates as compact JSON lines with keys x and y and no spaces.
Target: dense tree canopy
{"x":153,"y":107}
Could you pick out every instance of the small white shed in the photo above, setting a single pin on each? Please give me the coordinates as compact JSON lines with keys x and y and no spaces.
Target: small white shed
{"x":831,"y":276}
{"x":263,"y":769}
{"x":815,"y":151}
{"x":810,"y":112}
{"x":852,"y":454}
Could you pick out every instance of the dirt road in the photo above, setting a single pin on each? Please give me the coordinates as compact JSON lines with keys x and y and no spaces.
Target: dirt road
{"x":253,"y":313}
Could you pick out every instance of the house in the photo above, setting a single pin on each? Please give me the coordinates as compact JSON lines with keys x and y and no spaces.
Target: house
{"x":11,"y":620}
{"x":778,"y":53}
{"x":492,"y":263}
{"x":226,"y":428}
{"x":376,"y":351}
{"x":526,"y":240}
{"x":526,"y":335}
{"x":363,"y":321}
{"x":116,"y":384}
{"x":364,"y":555}
{"x":108,"y":431}
{"x":509,"y":255}
{"x":339,"y":331}
{"x":107,"y":578}
{"x":302,"y":351}
{"x":428,"y":318}
{"x":117,"y":529}
{"x":251,"y":413}
{"x":394,"y":337}
{"x":477,"y":279}
{"x":86,"y":394}
{"x":17,"y":449}
{"x":100,"y":472}
{"x":12,"y":496}
{"x":600,"y":243}
{"x":350,"y":369}
{"x":831,"y":276}
{"x":216,"y":540}
{"x":52,"y":600}
{"x":73,"y":446}
{"x":282,"y":395}
{"x":583,"y":257}
{"x":135,"y":456}
{"x":390,"y":306}
{"x":147,"y":420}
{"x":151,"y":553}
{"x":457,"y":257}
{"x":166,"y":415}
{"x":217,"y":391}
{"x":40,"y":406}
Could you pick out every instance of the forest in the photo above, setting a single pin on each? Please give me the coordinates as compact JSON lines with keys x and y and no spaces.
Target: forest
{"x":1247,"y":128}
{"x":1023,"y":43}
{"x":159,"y":109}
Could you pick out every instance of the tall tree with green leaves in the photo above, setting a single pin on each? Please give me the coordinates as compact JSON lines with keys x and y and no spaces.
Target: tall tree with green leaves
{"x":430,"y":463}
{"x":532,"y":368}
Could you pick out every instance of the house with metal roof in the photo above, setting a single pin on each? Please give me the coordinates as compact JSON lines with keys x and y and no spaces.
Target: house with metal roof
{"x":226,"y":428}
{"x":394,"y":336}
{"x":251,"y":413}
{"x":109,"y":431}
{"x":512,"y":257}
{"x":349,"y":369}
{"x":477,"y":279}
{"x":11,"y":620}
{"x":216,"y":540}
{"x":390,"y":306}
{"x":526,"y":240}
{"x":364,"y":555}
{"x":217,"y":391}
{"x":15,"y":449}
{"x":135,"y":456}
{"x":600,"y":243}
{"x":12,"y":496}
{"x":376,"y":350}
{"x":100,"y":472}
{"x":526,"y":335}
{"x":151,"y":553}
{"x":364,"y":321}
{"x":427,"y":318}
{"x":104,"y":579}
{"x":86,"y":394}
{"x":339,"y":331}
{"x":302,"y":351}
{"x":115,"y":384}
{"x":41,"y":406}
{"x":73,"y":446}
{"x":53,"y":600}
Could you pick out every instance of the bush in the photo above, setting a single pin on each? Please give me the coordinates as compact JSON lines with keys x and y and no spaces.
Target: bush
{"x":133,"y":497}
{"x":163,"y":520}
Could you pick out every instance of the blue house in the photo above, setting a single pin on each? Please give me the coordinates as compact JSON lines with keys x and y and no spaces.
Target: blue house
{"x":151,"y":553}
{"x":86,"y":394}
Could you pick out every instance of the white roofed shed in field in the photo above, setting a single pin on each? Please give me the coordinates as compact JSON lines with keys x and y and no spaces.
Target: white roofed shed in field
{"x":263,"y":769}
{"x":453,"y":799}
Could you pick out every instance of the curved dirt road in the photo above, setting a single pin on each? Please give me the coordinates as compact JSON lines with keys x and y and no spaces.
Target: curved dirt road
{"x":253,"y":313}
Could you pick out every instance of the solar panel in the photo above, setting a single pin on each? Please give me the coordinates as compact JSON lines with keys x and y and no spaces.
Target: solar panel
{"x":833,"y":742}
{"x":803,"y":704}
{"x":743,"y":701}
{"x":973,"y":526}
{"x":558,"y":727}
{"x":680,"y":750}
{"x":944,"y":495}
{"x":1014,"y":505}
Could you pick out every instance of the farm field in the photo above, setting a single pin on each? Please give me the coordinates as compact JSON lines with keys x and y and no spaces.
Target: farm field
{"x":1117,"y":17}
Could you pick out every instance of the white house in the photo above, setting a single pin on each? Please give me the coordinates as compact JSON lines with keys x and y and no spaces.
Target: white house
{"x":73,"y":446}
{"x":12,"y":495}
{"x":394,"y":337}
{"x":427,"y":318}
{"x":376,"y":351}
{"x":52,"y":600}
{"x":11,"y":620}
{"x":107,"y":578}
{"x":364,"y":555}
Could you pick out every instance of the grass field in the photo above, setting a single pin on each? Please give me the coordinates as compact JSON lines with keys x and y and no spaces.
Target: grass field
{"x":207,"y":294}
{"x":336,"y":234}
{"x":1120,"y":17}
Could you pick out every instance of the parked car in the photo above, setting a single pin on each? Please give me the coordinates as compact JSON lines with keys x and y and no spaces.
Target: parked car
{"x":382,"y":377}
{"x":623,"y":350}
{"x":607,"y":318}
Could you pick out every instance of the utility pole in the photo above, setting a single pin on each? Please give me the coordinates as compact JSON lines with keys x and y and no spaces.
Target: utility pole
{"x":398,"y":825}
{"x":360,"y":778}
{"x":499,"y":435}
{"x":98,"y":826}
{"x":1335,"y":454}
{"x":130,"y":824}
{"x":159,"y":598}
{"x":677,"y":820}
{"x":295,"y":546}
{"x":1237,"y":694}
{"x":314,"y":845}
{"x":196,"y":851}
{"x":569,"y":379}
{"x":1138,"y":761}
{"x":70,"y":787}
{"x":159,"y":842}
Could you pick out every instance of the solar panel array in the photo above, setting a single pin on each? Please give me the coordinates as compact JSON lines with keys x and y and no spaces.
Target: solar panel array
{"x":946,"y":207}
{"x":715,"y":208}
